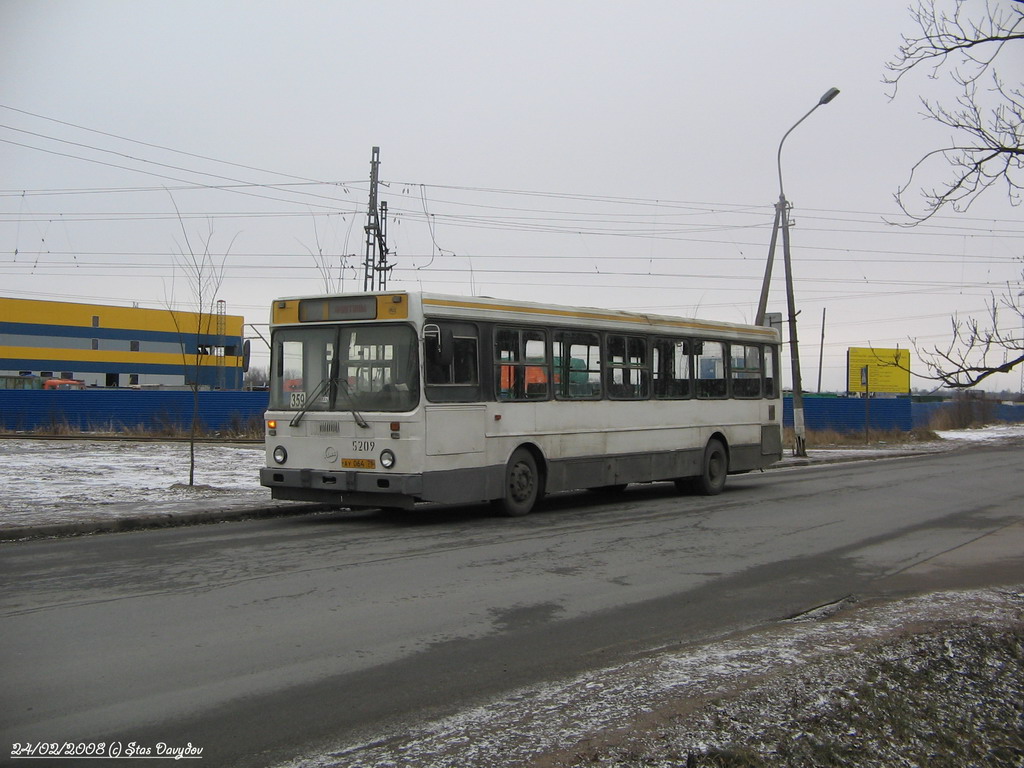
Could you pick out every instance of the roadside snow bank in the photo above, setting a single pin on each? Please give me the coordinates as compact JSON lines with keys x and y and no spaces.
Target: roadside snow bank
{"x":879,"y":684}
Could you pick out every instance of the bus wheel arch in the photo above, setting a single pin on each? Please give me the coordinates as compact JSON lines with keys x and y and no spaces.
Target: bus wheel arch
{"x":524,"y":481}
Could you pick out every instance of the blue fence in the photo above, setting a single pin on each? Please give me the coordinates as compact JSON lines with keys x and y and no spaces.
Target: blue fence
{"x":115,"y":409}
{"x":845,"y":414}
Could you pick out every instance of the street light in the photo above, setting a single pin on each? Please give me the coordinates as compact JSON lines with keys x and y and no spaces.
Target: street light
{"x":782,"y":218}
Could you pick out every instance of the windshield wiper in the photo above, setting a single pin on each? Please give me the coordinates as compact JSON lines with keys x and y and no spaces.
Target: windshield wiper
{"x":352,"y":404}
{"x":309,"y":402}
{"x":319,"y":390}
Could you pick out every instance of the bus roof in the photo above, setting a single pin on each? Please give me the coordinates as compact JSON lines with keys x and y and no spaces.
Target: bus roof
{"x":485,"y":307}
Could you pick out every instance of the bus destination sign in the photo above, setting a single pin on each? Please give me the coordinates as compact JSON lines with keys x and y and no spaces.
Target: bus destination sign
{"x":338,"y":308}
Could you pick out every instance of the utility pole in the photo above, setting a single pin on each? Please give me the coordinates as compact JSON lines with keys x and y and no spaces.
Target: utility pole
{"x":821,"y":348}
{"x":782,"y":222}
{"x":799,"y":430}
{"x":375,"y":263}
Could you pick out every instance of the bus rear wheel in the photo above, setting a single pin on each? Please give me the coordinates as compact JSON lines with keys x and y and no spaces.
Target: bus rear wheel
{"x":522,"y":484}
{"x":714,"y":469}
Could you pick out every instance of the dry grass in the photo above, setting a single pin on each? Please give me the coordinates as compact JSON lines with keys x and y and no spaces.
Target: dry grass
{"x":830,"y":438}
{"x":238,"y":429}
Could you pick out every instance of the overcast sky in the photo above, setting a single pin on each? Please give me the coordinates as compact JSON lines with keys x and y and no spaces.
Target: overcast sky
{"x":609,"y":154}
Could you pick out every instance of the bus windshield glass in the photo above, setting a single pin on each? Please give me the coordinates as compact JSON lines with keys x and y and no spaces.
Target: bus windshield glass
{"x":345,"y":368}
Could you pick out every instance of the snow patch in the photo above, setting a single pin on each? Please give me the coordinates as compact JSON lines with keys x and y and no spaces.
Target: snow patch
{"x":61,"y":481}
{"x":546,"y":718}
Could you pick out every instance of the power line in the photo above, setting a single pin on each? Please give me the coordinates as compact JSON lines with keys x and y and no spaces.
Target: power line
{"x":234,"y":189}
{"x":158,"y":146}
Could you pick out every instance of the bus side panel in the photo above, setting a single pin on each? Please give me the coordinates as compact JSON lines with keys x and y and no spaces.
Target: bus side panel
{"x":454,"y":429}
{"x":599,"y":471}
{"x":458,"y":486}
{"x":771,"y":442}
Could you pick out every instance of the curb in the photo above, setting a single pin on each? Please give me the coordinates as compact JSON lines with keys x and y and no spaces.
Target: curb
{"x":151,"y":521}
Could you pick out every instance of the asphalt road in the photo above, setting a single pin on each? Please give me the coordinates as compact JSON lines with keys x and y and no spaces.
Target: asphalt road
{"x":256,"y":640}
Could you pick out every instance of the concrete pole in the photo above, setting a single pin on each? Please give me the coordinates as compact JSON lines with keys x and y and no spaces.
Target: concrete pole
{"x":762,"y":304}
{"x":799,"y":431}
{"x":782,"y":214}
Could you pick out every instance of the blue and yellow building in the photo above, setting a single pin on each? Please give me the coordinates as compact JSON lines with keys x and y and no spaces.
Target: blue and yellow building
{"x":107,"y":346}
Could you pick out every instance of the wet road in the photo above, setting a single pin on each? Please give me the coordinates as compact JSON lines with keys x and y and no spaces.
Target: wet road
{"x":255,"y":640}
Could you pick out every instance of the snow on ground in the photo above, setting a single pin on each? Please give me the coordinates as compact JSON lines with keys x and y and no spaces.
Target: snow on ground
{"x":949,"y":439}
{"x":49,"y":481}
{"x":45,"y":482}
{"x":658,"y":709}
{"x":993,"y":432}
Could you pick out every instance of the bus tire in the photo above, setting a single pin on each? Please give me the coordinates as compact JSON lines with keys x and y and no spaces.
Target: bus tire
{"x":522,"y":484}
{"x":714,"y":469}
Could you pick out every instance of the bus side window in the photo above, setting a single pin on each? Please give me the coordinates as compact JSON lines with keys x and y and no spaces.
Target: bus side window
{"x":770,"y":383}
{"x":451,"y":364}
{"x":745,"y":370}
{"x":461,"y":369}
{"x":628,"y":377}
{"x":710,"y":369}
{"x":521,"y":362}
{"x":578,"y":365}
{"x":672,"y":368}
{"x":464,"y":362}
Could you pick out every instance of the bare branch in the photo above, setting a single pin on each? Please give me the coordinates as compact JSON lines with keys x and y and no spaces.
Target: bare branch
{"x":977,"y":351}
{"x":975,"y":43}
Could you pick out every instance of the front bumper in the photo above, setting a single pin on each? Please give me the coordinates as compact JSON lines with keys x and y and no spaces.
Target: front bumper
{"x":375,"y":488}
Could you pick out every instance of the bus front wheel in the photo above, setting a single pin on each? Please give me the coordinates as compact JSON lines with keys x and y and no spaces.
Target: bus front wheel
{"x":522,"y":484}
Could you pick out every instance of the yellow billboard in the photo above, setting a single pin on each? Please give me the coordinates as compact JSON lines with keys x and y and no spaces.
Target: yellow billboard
{"x":887,"y":370}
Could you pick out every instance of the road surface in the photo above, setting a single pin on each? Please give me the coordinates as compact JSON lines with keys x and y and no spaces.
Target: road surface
{"x":257,"y":640}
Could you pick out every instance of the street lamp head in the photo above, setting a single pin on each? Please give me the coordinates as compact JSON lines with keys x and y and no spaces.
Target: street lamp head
{"x":830,"y":94}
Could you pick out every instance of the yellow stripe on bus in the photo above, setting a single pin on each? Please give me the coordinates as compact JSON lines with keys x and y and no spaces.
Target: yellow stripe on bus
{"x":622,"y":317}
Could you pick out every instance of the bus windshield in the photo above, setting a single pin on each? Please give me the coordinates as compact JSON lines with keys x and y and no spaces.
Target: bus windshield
{"x":345,"y":368}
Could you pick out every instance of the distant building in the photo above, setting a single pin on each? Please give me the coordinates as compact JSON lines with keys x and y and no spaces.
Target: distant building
{"x":105,"y":346}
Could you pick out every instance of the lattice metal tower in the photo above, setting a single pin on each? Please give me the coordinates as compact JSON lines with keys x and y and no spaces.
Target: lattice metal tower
{"x":222,"y":329}
{"x":375,"y":264}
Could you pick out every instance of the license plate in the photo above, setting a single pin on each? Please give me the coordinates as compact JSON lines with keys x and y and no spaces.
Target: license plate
{"x":358,"y":464}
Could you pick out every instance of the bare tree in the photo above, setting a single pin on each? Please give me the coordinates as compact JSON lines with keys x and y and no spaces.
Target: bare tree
{"x":979,"y":47}
{"x":204,"y":275}
{"x":987,"y":121}
{"x":333,"y":283}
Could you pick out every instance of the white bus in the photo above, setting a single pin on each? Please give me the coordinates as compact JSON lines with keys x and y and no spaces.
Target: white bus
{"x":392,"y":398}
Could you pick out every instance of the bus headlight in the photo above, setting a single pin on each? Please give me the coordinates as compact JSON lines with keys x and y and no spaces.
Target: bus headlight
{"x":387,"y":458}
{"x":280,"y":454}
